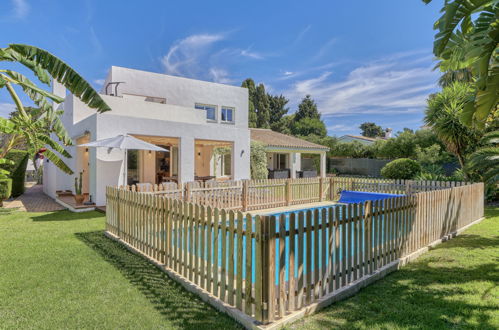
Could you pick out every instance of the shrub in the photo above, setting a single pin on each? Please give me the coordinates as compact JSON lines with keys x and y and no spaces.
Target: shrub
{"x":5,"y":189}
{"x":258,"y":161}
{"x":403,"y":168}
{"x":17,"y":170}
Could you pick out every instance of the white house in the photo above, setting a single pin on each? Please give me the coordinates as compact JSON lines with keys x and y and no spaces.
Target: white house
{"x":192,"y":119}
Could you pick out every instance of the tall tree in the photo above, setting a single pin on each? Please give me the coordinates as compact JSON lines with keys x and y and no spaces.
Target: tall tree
{"x":307,"y":109}
{"x":307,"y":120}
{"x":252,"y":117}
{"x":478,"y":22}
{"x":35,"y":127}
{"x":371,"y":130}
{"x":262,"y":107}
{"x":278,"y":109}
{"x":443,"y":115}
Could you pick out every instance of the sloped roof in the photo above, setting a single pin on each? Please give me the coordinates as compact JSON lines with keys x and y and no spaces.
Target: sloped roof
{"x":278,"y":140}
{"x":360,"y":137}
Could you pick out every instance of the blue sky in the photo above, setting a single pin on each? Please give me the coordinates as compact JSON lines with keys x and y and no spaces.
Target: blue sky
{"x":360,"y":60}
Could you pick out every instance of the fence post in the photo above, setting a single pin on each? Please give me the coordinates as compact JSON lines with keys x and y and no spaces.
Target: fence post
{"x":187,"y":196}
{"x":408,"y":186}
{"x":331,"y":188}
{"x":244,"y":195}
{"x":268,"y":294}
{"x":321,"y":187}
{"x":119,"y":212}
{"x":287,"y":192}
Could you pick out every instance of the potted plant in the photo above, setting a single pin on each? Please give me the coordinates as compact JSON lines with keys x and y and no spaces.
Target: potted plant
{"x":79,"y":197}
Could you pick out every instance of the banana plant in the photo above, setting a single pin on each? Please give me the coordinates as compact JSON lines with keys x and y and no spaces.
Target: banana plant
{"x":34,"y":127}
{"x":486,"y":159}
{"x":478,"y":22}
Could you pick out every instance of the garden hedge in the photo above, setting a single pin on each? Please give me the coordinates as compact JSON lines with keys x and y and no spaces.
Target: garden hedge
{"x":17,"y":170}
{"x":5,"y":189}
{"x":402,"y":168}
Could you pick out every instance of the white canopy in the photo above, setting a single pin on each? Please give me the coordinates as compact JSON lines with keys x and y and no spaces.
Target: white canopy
{"x":124,"y":142}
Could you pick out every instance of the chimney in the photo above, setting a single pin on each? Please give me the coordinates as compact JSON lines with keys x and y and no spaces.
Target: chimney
{"x":388,"y":133}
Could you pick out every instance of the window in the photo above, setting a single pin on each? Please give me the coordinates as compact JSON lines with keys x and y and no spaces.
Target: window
{"x":226,"y":164}
{"x":227,"y":115}
{"x":133,"y":167}
{"x":280,"y":161}
{"x":211,"y":110}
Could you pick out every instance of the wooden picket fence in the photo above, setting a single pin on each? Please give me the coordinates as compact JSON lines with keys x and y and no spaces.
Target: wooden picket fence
{"x":268,"y":267}
{"x":246,"y":195}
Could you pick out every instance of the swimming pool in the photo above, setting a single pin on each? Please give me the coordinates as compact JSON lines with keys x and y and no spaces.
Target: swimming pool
{"x":315,"y":217}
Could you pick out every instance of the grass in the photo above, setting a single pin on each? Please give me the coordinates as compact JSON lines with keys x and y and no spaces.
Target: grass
{"x":57,"y":270}
{"x":455,"y":285}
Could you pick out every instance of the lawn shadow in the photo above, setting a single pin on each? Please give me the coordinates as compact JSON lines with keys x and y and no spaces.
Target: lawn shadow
{"x":66,"y":215}
{"x":431,"y":293}
{"x":182,"y":308}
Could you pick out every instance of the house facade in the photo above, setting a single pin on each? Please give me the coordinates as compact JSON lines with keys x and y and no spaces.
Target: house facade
{"x":202,"y":125}
{"x":289,"y":156}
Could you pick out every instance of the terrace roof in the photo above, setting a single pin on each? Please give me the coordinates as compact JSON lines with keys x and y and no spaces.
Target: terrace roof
{"x":278,"y":140}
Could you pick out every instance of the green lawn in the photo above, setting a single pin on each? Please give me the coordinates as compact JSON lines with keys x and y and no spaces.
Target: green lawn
{"x":57,"y":270}
{"x":455,"y":285}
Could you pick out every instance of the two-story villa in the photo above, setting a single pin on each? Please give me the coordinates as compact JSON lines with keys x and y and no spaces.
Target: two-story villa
{"x":203,"y":125}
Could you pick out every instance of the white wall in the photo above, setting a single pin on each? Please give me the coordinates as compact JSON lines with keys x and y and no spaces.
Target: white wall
{"x":181,"y":91}
{"x":130,"y":115}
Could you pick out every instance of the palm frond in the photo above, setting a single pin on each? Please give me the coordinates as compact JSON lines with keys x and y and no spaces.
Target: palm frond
{"x":54,"y":145}
{"x":57,"y":161}
{"x":6,"y":126}
{"x":64,"y":74}
{"x":453,"y":14}
{"x":8,"y":54}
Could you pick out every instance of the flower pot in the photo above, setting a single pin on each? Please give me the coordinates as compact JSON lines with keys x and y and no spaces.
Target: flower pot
{"x":79,"y":199}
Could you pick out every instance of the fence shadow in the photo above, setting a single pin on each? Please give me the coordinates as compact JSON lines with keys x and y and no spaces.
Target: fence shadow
{"x":183,"y":309}
{"x":66,"y":215}
{"x":422,"y":294}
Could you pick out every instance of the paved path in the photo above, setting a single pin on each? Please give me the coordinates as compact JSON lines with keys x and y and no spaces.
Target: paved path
{"x":34,"y":200}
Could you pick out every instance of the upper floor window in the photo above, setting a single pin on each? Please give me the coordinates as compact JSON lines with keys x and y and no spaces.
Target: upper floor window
{"x":227,"y":114}
{"x":211,"y":110}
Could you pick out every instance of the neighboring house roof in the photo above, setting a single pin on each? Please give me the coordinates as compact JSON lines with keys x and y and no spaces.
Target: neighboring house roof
{"x":360,"y":138}
{"x":278,"y":140}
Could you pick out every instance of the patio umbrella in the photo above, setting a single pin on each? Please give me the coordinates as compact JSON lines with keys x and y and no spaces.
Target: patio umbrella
{"x":124,"y":142}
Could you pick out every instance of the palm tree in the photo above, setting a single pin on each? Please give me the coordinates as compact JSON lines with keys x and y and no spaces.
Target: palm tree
{"x":486,"y":159}
{"x":443,"y":115}
{"x":482,"y":34}
{"x":34,"y":127}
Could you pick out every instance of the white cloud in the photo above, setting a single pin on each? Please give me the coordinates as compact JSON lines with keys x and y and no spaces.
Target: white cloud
{"x":99,"y":82}
{"x":324,"y":49}
{"x":20,"y":8}
{"x":6,"y":109}
{"x":184,"y":56}
{"x":220,"y":76}
{"x":288,"y":73}
{"x":200,"y":56}
{"x":302,"y":34}
{"x":251,"y":54}
{"x":339,"y":128}
{"x":399,"y":83}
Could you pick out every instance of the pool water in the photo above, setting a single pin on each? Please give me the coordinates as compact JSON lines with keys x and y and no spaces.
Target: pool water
{"x":335,"y":256}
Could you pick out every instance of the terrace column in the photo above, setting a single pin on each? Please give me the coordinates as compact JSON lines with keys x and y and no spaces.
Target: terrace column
{"x":323,"y":165}
{"x":294,"y":163}
{"x":186,"y":159}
